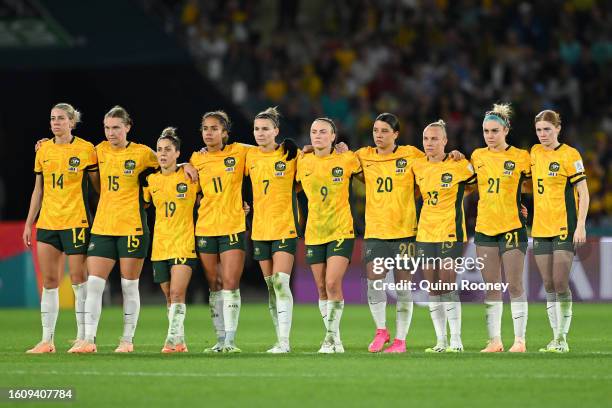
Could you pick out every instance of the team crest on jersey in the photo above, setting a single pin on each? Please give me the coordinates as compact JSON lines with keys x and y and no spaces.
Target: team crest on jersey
{"x":181,"y":189}
{"x":553,"y":169}
{"x":509,"y":167}
{"x":400,"y":165}
{"x":279,"y":168}
{"x":446,"y":180}
{"x":73,"y":164}
{"x":230,"y":163}
{"x":129,"y":167}
{"x":337,"y":173}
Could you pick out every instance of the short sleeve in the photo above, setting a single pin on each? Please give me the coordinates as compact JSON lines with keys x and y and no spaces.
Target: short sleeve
{"x":247,"y":164}
{"x":574,"y":167}
{"x":38,"y":162}
{"x":355,"y":164}
{"x":146,"y":195}
{"x":474,"y":159}
{"x":299,"y":169}
{"x":465,"y":172}
{"x":417,"y":153}
{"x":526,"y":164}
{"x":150,"y":159}
{"x":146,"y":191}
{"x":92,"y":159}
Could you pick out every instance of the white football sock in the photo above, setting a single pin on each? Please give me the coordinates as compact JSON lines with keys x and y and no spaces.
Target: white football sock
{"x":80,"y":295}
{"x":494,"y":311}
{"x":404,"y":308}
{"x":551,"y":309}
{"x":49,"y":308}
{"x":93,"y":306}
{"x":323,"y":310}
{"x":438,"y":317}
{"x":131,"y":308}
{"x":231,"y":314}
{"x":272,"y":302}
{"x":177,"y":317}
{"x":453,"y":313}
{"x":284,"y":305}
{"x":215,"y":303}
{"x":564,"y":313}
{"x":519,"y":308}
{"x":334,"y":315}
{"x":377,"y":301}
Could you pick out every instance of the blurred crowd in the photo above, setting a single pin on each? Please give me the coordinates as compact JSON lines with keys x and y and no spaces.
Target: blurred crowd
{"x":419,"y":59}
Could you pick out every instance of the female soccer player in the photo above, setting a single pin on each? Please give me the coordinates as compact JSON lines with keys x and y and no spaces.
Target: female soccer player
{"x":120,"y":231}
{"x":501,"y":236}
{"x":63,"y":166}
{"x":441,"y":230}
{"x":221,"y":224}
{"x":275,"y":228}
{"x":561,"y":203}
{"x":325,"y":176}
{"x":391,"y":223}
{"x":173,"y":255}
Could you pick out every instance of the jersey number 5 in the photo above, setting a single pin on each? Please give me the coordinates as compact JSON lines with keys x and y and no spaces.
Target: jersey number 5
{"x":540,"y":186}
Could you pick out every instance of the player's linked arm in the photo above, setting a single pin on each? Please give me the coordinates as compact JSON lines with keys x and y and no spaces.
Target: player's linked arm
{"x":94,"y":179}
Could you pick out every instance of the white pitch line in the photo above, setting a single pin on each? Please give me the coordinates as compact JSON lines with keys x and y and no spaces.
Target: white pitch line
{"x":542,"y":376}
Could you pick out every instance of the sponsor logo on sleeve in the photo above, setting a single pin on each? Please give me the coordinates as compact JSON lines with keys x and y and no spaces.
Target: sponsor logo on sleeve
{"x":579,"y":166}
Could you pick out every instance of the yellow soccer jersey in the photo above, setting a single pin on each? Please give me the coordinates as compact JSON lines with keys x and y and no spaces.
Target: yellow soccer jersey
{"x":275,"y":210}
{"x":390,"y":205}
{"x":442,"y":185}
{"x":221,"y":175}
{"x":500,"y":176}
{"x":120,"y":209}
{"x":555,"y":173}
{"x":63,"y":168}
{"x":174,"y":198}
{"x":326,"y":183}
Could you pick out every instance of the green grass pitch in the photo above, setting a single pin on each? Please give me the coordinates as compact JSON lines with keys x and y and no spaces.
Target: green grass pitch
{"x":146,"y":378}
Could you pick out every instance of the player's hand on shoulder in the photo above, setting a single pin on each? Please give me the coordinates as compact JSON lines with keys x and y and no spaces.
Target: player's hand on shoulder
{"x":39,"y":143}
{"x":456,"y":155}
{"x":341,"y":147}
{"x":191,"y":172}
{"x":307,"y":149}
